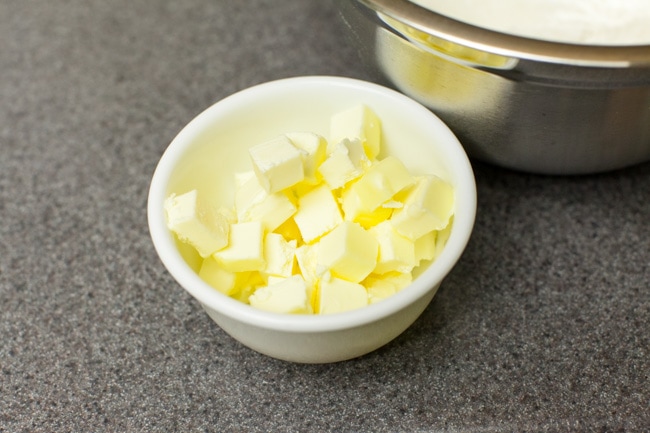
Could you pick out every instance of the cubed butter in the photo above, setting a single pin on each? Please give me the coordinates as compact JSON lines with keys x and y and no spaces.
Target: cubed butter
{"x":248,"y":286}
{"x":196,"y":222}
{"x":307,"y":261}
{"x":348,"y":251}
{"x":314,"y":149}
{"x":290,"y":231}
{"x":279,"y":255}
{"x":224,"y":281}
{"x":277,"y":164}
{"x":245,"y":250}
{"x":366,"y":218}
{"x":378,"y":185}
{"x":443,"y":236}
{"x":380,"y":287}
{"x":308,"y":267}
{"x":317,"y":214}
{"x":337,"y":296}
{"x":396,"y":253}
{"x":254,"y":203}
{"x":346,"y":162}
{"x":428,"y":205}
{"x":317,"y":227}
{"x":425,"y":246}
{"x":357,"y":122}
{"x":272,"y":279}
{"x":288,"y":296}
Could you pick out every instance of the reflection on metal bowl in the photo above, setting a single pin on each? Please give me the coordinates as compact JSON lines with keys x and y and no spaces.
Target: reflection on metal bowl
{"x":525,"y":104}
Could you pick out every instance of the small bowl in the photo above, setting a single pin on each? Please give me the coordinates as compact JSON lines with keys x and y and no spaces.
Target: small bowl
{"x":213,"y":146}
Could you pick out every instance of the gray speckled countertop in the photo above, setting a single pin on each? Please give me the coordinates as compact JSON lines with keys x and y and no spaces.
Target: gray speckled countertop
{"x":544,"y":325}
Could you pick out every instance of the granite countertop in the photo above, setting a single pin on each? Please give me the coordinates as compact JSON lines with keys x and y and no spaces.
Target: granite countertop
{"x":544,"y":325}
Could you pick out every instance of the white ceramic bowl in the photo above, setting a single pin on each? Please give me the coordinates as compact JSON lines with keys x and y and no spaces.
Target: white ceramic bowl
{"x":207,"y":152}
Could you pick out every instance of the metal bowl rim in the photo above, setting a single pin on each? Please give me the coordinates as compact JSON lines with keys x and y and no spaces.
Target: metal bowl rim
{"x":440,"y":26}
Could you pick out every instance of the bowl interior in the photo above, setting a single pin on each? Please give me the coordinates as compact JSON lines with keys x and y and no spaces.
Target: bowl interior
{"x":569,"y":21}
{"x":210,"y":149}
{"x":438,"y":33}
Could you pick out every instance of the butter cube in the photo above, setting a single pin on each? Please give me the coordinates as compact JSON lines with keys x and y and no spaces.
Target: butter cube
{"x":443,"y":236}
{"x":309,"y":269}
{"x":366,"y":218}
{"x":254,"y":203}
{"x":370,"y":219}
{"x":314,"y":149}
{"x":349,"y":251}
{"x":288,"y":296}
{"x":425,"y":246}
{"x":277,"y":164}
{"x":279,"y":255}
{"x":307,"y":261}
{"x":428,"y":205}
{"x":358,"y":122}
{"x":301,"y":189}
{"x":378,"y":185}
{"x":245,"y":250}
{"x":318,"y":213}
{"x":196,"y":222}
{"x":346,"y":162}
{"x":337,"y":296}
{"x":272,"y":279}
{"x":249,"y":284}
{"x":317,"y":227}
{"x":380,"y":287}
{"x":224,"y":281}
{"x":289,"y":230}
{"x":396,"y":253}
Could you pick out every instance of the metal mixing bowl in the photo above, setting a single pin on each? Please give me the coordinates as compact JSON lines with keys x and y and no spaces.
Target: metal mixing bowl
{"x":530,"y":105}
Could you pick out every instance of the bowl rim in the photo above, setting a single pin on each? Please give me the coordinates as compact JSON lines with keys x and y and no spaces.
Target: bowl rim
{"x":435,"y":24}
{"x":172,"y":260}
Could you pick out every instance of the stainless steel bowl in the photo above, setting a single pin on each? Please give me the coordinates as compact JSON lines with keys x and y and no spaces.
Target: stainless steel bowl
{"x":525,"y":104}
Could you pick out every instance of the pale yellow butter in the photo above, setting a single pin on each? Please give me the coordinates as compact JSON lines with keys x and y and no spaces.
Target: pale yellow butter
{"x":378,"y":185}
{"x":307,"y":264}
{"x":357,"y":122}
{"x":308,"y":267}
{"x":279,"y":255}
{"x":313,"y":152}
{"x":428,"y":205}
{"x":197,"y":223}
{"x":318,"y":227}
{"x":337,"y":296}
{"x":372,"y":218}
{"x":249,"y":284}
{"x":396,"y":253}
{"x":426,"y":246}
{"x":380,"y":287}
{"x":289,"y":229}
{"x":245,"y":250}
{"x":346,"y":161}
{"x":442,"y":236}
{"x":317,"y":214}
{"x":287,"y":296}
{"x":224,"y":281}
{"x":277,"y":164}
{"x":348,"y":251}
{"x":254,"y":203}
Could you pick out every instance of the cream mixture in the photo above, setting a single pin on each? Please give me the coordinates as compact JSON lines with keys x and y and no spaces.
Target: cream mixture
{"x":591,"y":22}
